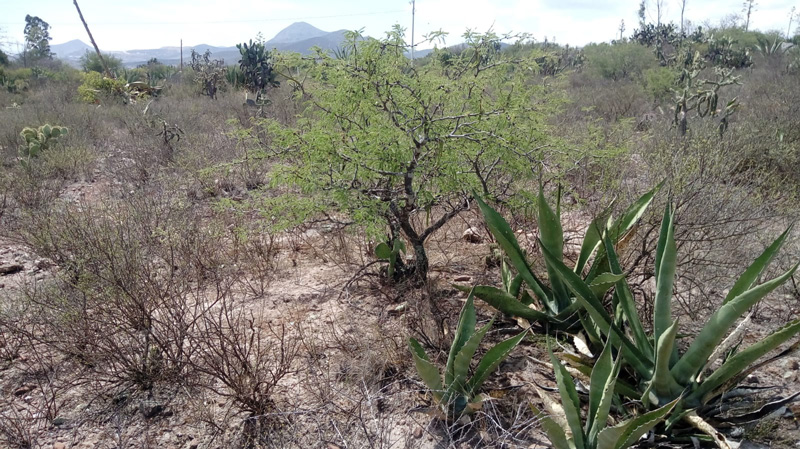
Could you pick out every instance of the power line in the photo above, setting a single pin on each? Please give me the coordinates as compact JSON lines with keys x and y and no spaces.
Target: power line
{"x":225,"y":21}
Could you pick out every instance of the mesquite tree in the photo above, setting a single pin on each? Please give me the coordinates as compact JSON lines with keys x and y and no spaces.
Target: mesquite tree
{"x":404,"y":144}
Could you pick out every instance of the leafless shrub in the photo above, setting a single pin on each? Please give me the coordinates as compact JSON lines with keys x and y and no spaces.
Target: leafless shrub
{"x":246,"y":361}
{"x":20,"y":428}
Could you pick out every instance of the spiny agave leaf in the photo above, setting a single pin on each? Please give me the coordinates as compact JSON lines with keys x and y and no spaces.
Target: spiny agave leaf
{"x":742,"y":360}
{"x":552,"y":238}
{"x":569,"y":400}
{"x":756,"y":269}
{"x":599,"y":315}
{"x":761,"y":413}
{"x":465,"y":329}
{"x":383,"y":252}
{"x":717,"y":326}
{"x":665,"y":275}
{"x":633,"y":213}
{"x":505,"y":238}
{"x":628,"y":432}
{"x":732,"y":340}
{"x":663,"y":382}
{"x":506,"y":303}
{"x":601,"y":284}
{"x":555,"y":433}
{"x":426,"y":370}
{"x":627,"y":304}
{"x":515,"y":286}
{"x":591,"y":240}
{"x":490,"y":362}
{"x":601,"y":392}
{"x":464,"y":357}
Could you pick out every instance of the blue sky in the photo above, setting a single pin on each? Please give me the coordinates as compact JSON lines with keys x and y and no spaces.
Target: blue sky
{"x":156,"y":23}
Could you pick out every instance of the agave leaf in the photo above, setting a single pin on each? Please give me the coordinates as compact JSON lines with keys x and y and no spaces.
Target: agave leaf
{"x":552,"y":238}
{"x":756,"y":269}
{"x":633,"y":213}
{"x":601,"y":284}
{"x":464,"y":357}
{"x":569,"y":400}
{"x":627,"y":304}
{"x":665,"y":275}
{"x":599,"y":315}
{"x":505,"y":238}
{"x":383,"y":251}
{"x":628,"y":432}
{"x":732,"y":340}
{"x":515,"y":286}
{"x":764,"y":411}
{"x":714,"y":331}
{"x":554,"y":432}
{"x":663,"y":382}
{"x":742,"y":360}
{"x":506,"y":303}
{"x":465,"y":329}
{"x":592,"y":239}
{"x":700,"y":424}
{"x":601,"y":393}
{"x":429,"y":373}
{"x":490,"y":362}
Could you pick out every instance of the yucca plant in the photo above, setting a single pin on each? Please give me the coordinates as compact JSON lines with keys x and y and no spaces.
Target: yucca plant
{"x":555,"y":304}
{"x":659,"y":372}
{"x":455,"y":393}
{"x":564,"y":427}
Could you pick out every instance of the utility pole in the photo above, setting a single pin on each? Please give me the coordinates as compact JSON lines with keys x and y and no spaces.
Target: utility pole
{"x":413,"y":11}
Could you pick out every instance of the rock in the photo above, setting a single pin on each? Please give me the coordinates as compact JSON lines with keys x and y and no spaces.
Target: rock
{"x":463,"y":279}
{"x":150,"y":408}
{"x":417,"y":432}
{"x":59,"y":421}
{"x":471,"y":235}
{"x":59,"y":445}
{"x":398,"y":309}
{"x":10,"y":269}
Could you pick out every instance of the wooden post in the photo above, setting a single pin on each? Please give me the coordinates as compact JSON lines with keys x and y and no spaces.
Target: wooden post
{"x":94,"y":44}
{"x":181,"y":55}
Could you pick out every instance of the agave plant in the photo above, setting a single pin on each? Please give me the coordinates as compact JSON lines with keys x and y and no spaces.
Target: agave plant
{"x":555,"y":304}
{"x":455,"y":393}
{"x":660,"y":373}
{"x":595,"y":432}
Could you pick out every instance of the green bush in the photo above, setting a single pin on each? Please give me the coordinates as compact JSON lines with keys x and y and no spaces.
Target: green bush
{"x":96,"y":88}
{"x":619,"y":61}
{"x":659,"y":82}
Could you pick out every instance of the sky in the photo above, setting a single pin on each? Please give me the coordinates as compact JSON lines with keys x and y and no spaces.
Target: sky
{"x":146,"y":24}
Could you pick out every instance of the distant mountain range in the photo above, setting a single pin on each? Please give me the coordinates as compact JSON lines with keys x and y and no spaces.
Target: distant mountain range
{"x":298,"y":37}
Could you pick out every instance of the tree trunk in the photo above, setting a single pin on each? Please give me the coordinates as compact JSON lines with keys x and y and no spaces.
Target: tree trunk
{"x":420,"y":262}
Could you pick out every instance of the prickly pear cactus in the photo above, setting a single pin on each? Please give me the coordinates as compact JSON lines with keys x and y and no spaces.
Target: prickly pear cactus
{"x":40,"y":139}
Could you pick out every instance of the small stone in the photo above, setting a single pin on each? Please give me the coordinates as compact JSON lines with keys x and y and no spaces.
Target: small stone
{"x":59,"y":445}
{"x":417,"y":432}
{"x":398,"y":309}
{"x":463,"y":279}
{"x":59,"y":421}
{"x":471,"y":235}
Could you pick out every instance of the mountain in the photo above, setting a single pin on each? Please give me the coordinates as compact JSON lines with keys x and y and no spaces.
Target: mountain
{"x":298,"y":37}
{"x":296,"y":32}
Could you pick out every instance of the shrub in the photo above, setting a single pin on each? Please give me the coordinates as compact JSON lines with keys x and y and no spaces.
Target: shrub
{"x":96,"y":88}
{"x":625,"y":60}
{"x":660,"y":82}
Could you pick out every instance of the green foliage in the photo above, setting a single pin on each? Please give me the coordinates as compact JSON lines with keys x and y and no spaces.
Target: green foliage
{"x":455,"y":392}
{"x":595,"y":432}
{"x":38,"y":140}
{"x":700,"y":96}
{"x":37,"y":39}
{"x":387,"y":142}
{"x":90,"y":62}
{"x":622,"y":60}
{"x":156,"y":71}
{"x":660,"y":82}
{"x":556,"y":304}
{"x":97,"y":88}
{"x":208,"y":73}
